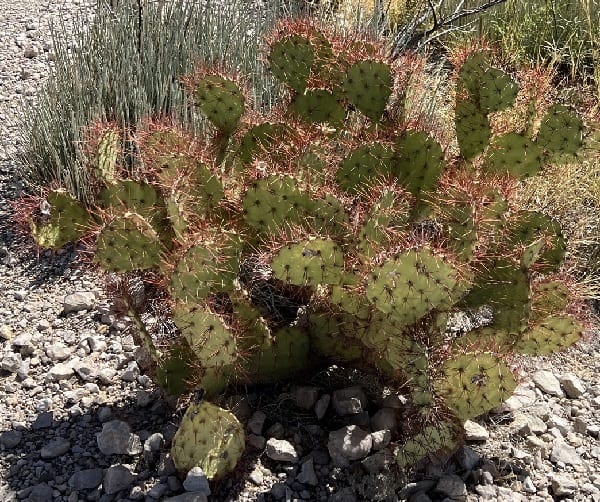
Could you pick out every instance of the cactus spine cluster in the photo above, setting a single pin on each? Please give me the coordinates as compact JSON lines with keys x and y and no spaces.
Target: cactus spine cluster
{"x":332,"y":204}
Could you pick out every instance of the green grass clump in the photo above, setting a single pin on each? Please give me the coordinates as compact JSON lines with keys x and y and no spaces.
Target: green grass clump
{"x":125,"y":65}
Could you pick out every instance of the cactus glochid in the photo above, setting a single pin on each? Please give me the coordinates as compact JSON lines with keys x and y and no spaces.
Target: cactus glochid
{"x":320,"y":232}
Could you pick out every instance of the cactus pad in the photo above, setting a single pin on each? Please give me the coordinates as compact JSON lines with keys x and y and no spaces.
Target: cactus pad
{"x":549,"y":335}
{"x":318,"y":106}
{"x":258,"y":139}
{"x":128,"y":243}
{"x":364,"y":165}
{"x":106,"y":156}
{"x":273,"y":201}
{"x":368,"y":86}
{"x":174,"y":373}
{"x":284,"y":355}
{"x":514,"y":154}
{"x":204,"y":270}
{"x":549,"y":298}
{"x":66,"y":223}
{"x":497,"y":91}
{"x":310,"y":262}
{"x":432,"y":439}
{"x":221,"y":100}
{"x":209,"y":437}
{"x":473,"y":129}
{"x":412,"y":284}
{"x":418,"y":162}
{"x":212,"y":342}
{"x":336,"y":336}
{"x":473,"y":384}
{"x":291,"y":60}
{"x":561,"y":131}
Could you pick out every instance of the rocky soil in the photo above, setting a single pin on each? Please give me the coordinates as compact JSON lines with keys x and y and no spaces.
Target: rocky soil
{"x":79,"y":419}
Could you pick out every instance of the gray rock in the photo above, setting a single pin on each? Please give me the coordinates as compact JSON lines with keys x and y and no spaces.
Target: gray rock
{"x":547,"y":383}
{"x":528,"y":485}
{"x":307,"y":474}
{"x":257,"y":477}
{"x":188,"y":497}
{"x":82,"y":300}
{"x":522,"y":396}
{"x":11,"y":361}
{"x":348,"y":443}
{"x":305,"y":397}
{"x":86,"y":479}
{"x":55,"y":448}
{"x":321,"y":406}
{"x":10,"y":439}
{"x":526,"y":424}
{"x":158,"y":491}
{"x":257,"y":422}
{"x":396,"y":401}
{"x":6,"y":332}
{"x":378,"y":462}
{"x":573,"y":387}
{"x":60,"y":371}
{"x":343,"y":495}
{"x":58,"y":351}
{"x":563,"y":486}
{"x":487,"y":492}
{"x":562,"y":424}
{"x":349,"y":401}
{"x":152,"y":446}
{"x":43,"y":420}
{"x":131,"y":372}
{"x":384,"y":419}
{"x":40,"y":493}
{"x":117,"y":478}
{"x":467,"y":458}
{"x":281,"y":450}
{"x":452,"y":486}
{"x":257,"y":442}
{"x":279,"y":490}
{"x":277,"y":431}
{"x":196,"y":481}
{"x":381,"y":439}
{"x":116,"y":438}
{"x":475,"y":431}
{"x":562,"y":452}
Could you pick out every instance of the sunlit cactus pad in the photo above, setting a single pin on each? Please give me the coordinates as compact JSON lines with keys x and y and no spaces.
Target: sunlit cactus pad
{"x":209,"y":437}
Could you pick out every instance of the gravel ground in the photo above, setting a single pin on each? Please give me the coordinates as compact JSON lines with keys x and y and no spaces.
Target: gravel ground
{"x":79,"y":420}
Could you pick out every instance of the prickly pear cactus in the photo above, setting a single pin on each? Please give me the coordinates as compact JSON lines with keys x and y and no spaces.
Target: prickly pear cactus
{"x":330,"y":231}
{"x":209,"y":437}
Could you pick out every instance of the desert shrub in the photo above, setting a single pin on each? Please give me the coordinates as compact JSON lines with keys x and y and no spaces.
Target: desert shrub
{"x":334,"y":228}
{"x":125,"y":64}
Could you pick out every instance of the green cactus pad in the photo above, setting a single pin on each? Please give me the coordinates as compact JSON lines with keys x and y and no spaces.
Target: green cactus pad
{"x":561,"y":131}
{"x":273,"y":201}
{"x":486,"y":339}
{"x":471,"y":74}
{"x":505,"y":288}
{"x":204,"y":270}
{"x":318,"y":106}
{"x":363,"y":166}
{"x":368,"y":86}
{"x":67,"y":221}
{"x":280,"y":357}
{"x":259,"y":138}
{"x":549,"y":298}
{"x":549,"y":335}
{"x":473,"y":384}
{"x":291,"y":60}
{"x":106,"y":156}
{"x":131,"y":195}
{"x":175,"y":208}
{"x":412,"y":284}
{"x":328,"y":216}
{"x":418,"y":162}
{"x":336,"y":337}
{"x":542,"y":238}
{"x":310,"y":262}
{"x":514,"y":154}
{"x":212,"y":342}
{"x":209,"y":437}
{"x":431,"y":440}
{"x":350,"y":302}
{"x":221,"y":100}
{"x":460,"y":226}
{"x":473,"y":129}
{"x":175,"y":371}
{"x":497,"y":91}
{"x":128,"y":243}
{"x":205,"y":189}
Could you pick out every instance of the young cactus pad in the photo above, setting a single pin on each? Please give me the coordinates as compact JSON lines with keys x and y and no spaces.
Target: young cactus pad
{"x":291,"y":60}
{"x":368,"y":86}
{"x":67,"y":221}
{"x":209,"y":437}
{"x":221,"y":100}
